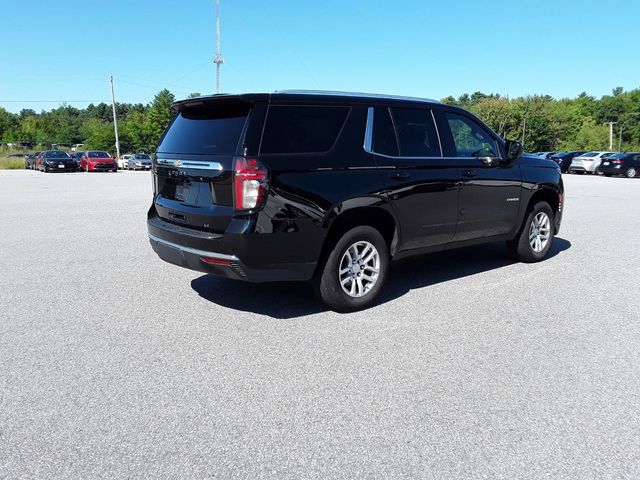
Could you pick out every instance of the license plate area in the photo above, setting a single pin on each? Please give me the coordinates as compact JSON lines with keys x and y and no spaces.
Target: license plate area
{"x":186,"y":191}
{"x":606,"y":163}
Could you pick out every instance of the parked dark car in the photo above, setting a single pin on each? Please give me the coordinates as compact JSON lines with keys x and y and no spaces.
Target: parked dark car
{"x":330,"y":187}
{"x":77,"y":157}
{"x":563,"y":159}
{"x":626,"y":163}
{"x":55,"y":161}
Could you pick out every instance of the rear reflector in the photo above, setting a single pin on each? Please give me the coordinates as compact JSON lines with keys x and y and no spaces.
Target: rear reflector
{"x":215,"y":261}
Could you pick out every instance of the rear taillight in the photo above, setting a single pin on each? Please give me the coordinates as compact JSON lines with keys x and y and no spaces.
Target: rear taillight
{"x":617,"y":161}
{"x":249,"y":183}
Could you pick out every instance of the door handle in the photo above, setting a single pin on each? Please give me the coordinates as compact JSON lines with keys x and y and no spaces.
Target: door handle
{"x":469,"y":173}
{"x":399,"y":175}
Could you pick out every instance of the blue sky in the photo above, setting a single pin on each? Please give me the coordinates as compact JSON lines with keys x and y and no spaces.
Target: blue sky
{"x":65,"y":50}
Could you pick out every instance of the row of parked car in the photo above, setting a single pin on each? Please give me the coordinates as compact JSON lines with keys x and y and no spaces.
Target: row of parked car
{"x":596,"y":162}
{"x":86,"y":161}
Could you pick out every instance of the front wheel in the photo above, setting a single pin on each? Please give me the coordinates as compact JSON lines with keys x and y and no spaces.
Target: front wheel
{"x":536,"y":235}
{"x":355,"y":270}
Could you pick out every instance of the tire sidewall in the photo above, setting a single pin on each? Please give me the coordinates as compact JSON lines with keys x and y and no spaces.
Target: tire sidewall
{"x":629,"y":173}
{"x":329,"y":288}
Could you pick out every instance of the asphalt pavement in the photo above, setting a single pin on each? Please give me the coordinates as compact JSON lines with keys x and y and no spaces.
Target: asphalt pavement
{"x":114,"y":364}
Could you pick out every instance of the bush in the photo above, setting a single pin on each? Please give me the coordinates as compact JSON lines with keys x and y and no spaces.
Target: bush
{"x":13,"y":163}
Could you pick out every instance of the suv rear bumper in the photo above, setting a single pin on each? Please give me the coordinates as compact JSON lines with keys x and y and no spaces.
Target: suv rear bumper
{"x":213,"y":254}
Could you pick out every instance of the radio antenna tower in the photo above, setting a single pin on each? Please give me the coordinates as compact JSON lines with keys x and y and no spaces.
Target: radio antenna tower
{"x":218,"y":60}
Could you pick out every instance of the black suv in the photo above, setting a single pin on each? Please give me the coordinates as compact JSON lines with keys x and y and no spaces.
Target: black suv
{"x":329,"y":187}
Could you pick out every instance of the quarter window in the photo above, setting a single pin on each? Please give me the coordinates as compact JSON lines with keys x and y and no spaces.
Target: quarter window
{"x":308,"y":129}
{"x":469,"y":138}
{"x":416,"y":132}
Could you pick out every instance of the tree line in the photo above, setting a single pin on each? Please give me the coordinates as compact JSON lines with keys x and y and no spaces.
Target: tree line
{"x":543,"y":122}
{"x":139,"y":126}
{"x":547,"y":124}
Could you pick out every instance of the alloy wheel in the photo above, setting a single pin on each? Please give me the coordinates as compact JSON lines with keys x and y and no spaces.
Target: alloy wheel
{"x":539,"y":232}
{"x":359,"y":269}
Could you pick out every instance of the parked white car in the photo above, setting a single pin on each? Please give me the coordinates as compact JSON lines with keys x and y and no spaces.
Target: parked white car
{"x":588,"y":162}
{"x":123,"y":161}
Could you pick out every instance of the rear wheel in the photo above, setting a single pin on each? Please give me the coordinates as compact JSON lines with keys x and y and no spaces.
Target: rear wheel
{"x":631,"y":172}
{"x":536,"y":235}
{"x":355,"y":270}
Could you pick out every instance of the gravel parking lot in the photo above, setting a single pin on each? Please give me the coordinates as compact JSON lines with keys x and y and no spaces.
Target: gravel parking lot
{"x":114,"y":364}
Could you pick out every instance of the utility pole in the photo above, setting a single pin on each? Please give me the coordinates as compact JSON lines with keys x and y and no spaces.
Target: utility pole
{"x":115,"y":118}
{"x":620,"y":138}
{"x":218,"y":60}
{"x":611,"y":124}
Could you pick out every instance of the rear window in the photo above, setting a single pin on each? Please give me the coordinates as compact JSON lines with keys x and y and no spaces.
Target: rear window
{"x":206,"y":130}
{"x":589,"y":154}
{"x":97,"y":154}
{"x":56,"y":154}
{"x":303,"y":129}
{"x":618,"y":155}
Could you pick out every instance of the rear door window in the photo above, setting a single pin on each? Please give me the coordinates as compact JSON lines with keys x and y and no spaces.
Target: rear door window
{"x":207,"y":130}
{"x":302,"y":129}
{"x":384,"y":134}
{"x":416,"y":132}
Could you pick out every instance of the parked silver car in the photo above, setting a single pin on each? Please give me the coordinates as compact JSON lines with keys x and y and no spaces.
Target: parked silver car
{"x":139,"y":161}
{"x":588,"y":162}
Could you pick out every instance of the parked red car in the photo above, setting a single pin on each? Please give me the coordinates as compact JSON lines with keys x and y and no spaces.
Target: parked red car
{"x":97,"y":160}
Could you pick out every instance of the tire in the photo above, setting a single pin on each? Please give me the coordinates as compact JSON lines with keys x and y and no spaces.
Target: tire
{"x":631,"y":172}
{"x":521,"y":248}
{"x":367,"y":242}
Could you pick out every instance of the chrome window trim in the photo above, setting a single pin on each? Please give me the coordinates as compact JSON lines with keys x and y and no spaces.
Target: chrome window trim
{"x":195,"y":251}
{"x":433,"y":117}
{"x":404,"y":157}
{"x":368,"y":132}
{"x":167,"y":162}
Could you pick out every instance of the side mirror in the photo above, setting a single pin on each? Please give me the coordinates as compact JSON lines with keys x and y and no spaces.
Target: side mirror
{"x":513,"y":149}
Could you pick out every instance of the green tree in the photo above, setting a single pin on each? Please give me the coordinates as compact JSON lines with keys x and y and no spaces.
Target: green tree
{"x":158,"y":117}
